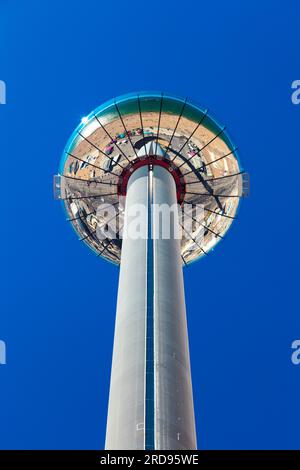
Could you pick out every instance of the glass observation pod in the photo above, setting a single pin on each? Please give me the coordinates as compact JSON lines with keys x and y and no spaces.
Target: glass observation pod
{"x":105,"y":149}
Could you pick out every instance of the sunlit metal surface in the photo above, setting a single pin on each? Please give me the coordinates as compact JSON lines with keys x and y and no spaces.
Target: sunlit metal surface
{"x":107,"y":144}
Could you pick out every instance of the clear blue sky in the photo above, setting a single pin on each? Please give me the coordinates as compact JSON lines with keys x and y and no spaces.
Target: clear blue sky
{"x":62,"y":59}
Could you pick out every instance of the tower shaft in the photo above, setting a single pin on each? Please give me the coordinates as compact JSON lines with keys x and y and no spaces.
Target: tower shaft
{"x":151,"y":401}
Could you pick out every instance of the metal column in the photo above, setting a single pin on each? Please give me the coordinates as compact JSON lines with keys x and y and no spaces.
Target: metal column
{"x":150,"y":403}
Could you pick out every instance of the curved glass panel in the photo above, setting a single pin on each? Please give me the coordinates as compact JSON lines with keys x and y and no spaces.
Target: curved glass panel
{"x":109,"y":143}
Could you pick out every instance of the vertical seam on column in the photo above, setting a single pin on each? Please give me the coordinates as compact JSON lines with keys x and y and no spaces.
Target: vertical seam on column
{"x":149,"y":392}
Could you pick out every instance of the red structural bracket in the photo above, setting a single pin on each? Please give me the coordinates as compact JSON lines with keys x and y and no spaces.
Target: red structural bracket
{"x":152,"y":160}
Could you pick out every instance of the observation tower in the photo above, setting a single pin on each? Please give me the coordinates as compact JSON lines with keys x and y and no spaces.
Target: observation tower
{"x":130,"y":158}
